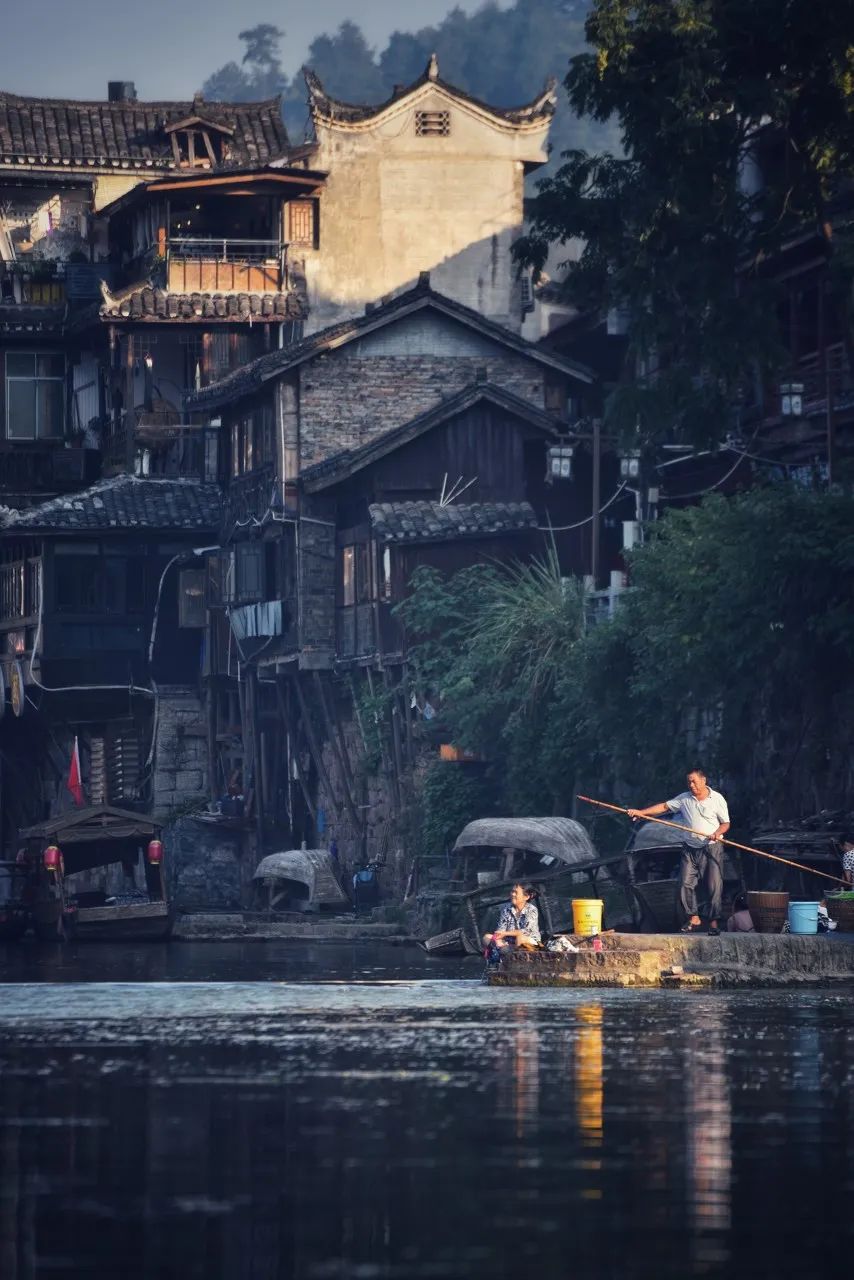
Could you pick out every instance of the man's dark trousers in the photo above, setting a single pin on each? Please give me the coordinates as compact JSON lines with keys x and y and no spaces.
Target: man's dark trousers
{"x":699,"y":861}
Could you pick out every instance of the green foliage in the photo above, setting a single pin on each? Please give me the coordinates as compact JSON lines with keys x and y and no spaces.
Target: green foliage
{"x":451,"y":795}
{"x":672,"y":234}
{"x":492,"y":641}
{"x":732,"y":649}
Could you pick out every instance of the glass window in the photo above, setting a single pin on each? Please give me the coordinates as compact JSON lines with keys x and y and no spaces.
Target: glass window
{"x":348,"y":575}
{"x":35,"y":395}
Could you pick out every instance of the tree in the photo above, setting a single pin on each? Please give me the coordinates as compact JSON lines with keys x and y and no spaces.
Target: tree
{"x":673,"y":235}
{"x":260,"y":76}
{"x":345,"y":63}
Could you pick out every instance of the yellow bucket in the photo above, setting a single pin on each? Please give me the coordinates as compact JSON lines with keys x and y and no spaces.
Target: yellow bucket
{"x":587,"y":916}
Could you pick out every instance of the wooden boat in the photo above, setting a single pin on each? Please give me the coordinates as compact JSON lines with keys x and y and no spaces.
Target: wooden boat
{"x":93,"y":843}
{"x":301,"y":880}
{"x":455,"y":942}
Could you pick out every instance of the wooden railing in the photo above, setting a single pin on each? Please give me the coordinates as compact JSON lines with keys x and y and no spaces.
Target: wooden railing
{"x":249,"y":497}
{"x":44,"y":469}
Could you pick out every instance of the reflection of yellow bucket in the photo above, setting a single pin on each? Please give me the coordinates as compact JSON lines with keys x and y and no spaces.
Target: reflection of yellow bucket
{"x":587,"y":916}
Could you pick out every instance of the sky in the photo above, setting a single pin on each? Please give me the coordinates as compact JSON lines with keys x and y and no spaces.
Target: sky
{"x":71,"y":48}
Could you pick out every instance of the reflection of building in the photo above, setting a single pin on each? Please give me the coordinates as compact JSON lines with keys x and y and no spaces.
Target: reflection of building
{"x":708,"y":1138}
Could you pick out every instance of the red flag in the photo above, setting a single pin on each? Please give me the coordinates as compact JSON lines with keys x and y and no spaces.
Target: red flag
{"x":75,"y":782}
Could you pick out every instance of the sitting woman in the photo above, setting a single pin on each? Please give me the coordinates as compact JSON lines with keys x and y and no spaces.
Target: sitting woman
{"x":518,"y":924}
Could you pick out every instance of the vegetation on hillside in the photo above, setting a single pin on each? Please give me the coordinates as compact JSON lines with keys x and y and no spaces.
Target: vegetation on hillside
{"x":502,"y":56}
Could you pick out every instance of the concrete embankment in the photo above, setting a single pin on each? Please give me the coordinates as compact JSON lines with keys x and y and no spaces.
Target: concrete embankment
{"x":665,"y":960}
{"x":254,"y":927}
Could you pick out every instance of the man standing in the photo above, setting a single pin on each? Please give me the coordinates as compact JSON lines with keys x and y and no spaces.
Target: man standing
{"x":705,"y":812}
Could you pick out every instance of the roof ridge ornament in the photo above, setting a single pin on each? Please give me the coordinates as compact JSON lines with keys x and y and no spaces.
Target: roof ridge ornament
{"x":432,"y":71}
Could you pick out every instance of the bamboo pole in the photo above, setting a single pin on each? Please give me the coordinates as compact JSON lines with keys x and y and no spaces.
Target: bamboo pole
{"x":338,"y":750}
{"x":747,"y":848}
{"x":315,"y":749}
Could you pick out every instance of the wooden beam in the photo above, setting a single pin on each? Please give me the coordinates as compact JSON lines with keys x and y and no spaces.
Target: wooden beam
{"x":339,"y":753}
{"x":314,"y":748}
{"x":292,"y":737}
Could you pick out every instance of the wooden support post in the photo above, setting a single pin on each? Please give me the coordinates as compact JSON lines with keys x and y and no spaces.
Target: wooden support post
{"x":357,"y":712}
{"x":258,"y":766}
{"x":406,"y":700}
{"x":213,"y":754}
{"x":287,"y":721}
{"x":130,"y":411}
{"x":388,"y":770}
{"x":394,"y":711}
{"x":338,"y":752}
{"x":314,"y":748}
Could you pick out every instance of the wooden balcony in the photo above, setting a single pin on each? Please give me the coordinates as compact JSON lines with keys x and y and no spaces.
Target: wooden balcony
{"x":41,"y":469}
{"x":250,"y":496}
{"x":211,"y":265}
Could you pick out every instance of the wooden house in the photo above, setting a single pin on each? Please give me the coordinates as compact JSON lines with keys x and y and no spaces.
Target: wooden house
{"x":418,"y":433}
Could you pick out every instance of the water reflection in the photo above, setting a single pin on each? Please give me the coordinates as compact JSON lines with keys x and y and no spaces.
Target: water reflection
{"x":709,"y":1136}
{"x":424,"y":1130}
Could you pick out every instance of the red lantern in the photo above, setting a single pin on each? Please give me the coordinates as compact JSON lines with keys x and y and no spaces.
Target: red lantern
{"x":52,"y":859}
{"x":155,"y":852}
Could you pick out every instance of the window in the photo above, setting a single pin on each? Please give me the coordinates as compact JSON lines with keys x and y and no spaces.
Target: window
{"x":250,"y":571}
{"x":191,"y":598}
{"x":35,"y":396}
{"x":348,"y":575}
{"x":95,"y":584}
{"x":304,"y":223}
{"x":432,"y":124}
{"x":356,"y":574}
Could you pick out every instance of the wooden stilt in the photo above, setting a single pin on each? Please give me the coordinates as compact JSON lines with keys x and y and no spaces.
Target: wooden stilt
{"x":314,"y":748}
{"x":287,"y":720}
{"x":337,"y":751}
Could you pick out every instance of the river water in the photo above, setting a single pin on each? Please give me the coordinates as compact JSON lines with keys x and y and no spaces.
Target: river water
{"x":279,"y":1113}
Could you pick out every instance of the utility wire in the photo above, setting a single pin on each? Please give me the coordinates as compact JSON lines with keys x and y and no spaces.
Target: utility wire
{"x":565,"y":528}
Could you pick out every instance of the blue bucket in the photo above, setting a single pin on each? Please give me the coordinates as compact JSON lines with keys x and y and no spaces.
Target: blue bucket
{"x":803,"y":917}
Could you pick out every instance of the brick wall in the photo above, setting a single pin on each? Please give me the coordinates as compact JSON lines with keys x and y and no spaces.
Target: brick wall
{"x":345,"y":402}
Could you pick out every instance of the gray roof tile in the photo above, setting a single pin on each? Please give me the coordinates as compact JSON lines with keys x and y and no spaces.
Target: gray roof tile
{"x":125,"y":502}
{"x":433,"y":522}
{"x":131,"y":134}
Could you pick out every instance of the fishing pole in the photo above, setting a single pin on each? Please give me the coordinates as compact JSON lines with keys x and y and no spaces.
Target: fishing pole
{"x":748,"y":848}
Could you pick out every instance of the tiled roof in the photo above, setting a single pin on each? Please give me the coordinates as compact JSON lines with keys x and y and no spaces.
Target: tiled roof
{"x":129,"y":133}
{"x":149,"y":303}
{"x":29,"y":318}
{"x":251,"y":376}
{"x":125,"y":502}
{"x":327,"y":108}
{"x":433,"y":522}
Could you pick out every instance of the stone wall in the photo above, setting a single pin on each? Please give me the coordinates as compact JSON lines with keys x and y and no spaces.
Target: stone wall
{"x":206,"y":869}
{"x":180,"y":759}
{"x":385,"y":839}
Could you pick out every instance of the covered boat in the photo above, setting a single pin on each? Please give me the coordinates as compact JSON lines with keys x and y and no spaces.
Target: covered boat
{"x":557,"y":839}
{"x":301,"y":880}
{"x":84,"y":868}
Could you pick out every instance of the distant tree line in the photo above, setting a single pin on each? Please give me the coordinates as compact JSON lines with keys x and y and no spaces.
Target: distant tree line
{"x":502,"y":56}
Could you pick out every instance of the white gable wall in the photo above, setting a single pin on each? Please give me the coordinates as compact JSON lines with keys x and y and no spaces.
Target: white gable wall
{"x":396,"y":204}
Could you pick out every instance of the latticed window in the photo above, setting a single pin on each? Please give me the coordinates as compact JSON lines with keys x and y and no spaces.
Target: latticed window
{"x":302,"y":222}
{"x":432,"y":124}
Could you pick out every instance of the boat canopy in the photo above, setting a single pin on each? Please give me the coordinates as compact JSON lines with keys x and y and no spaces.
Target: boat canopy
{"x":95,"y":822}
{"x":560,"y":838}
{"x":656,"y":835}
{"x":314,"y":868}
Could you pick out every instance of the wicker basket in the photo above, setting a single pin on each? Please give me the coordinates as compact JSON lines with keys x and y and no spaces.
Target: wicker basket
{"x":768,"y":911}
{"x":842,"y":911}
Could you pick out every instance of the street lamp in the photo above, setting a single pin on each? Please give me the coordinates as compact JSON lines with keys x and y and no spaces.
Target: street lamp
{"x":560,"y":462}
{"x":630,"y":464}
{"x":791,"y":399}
